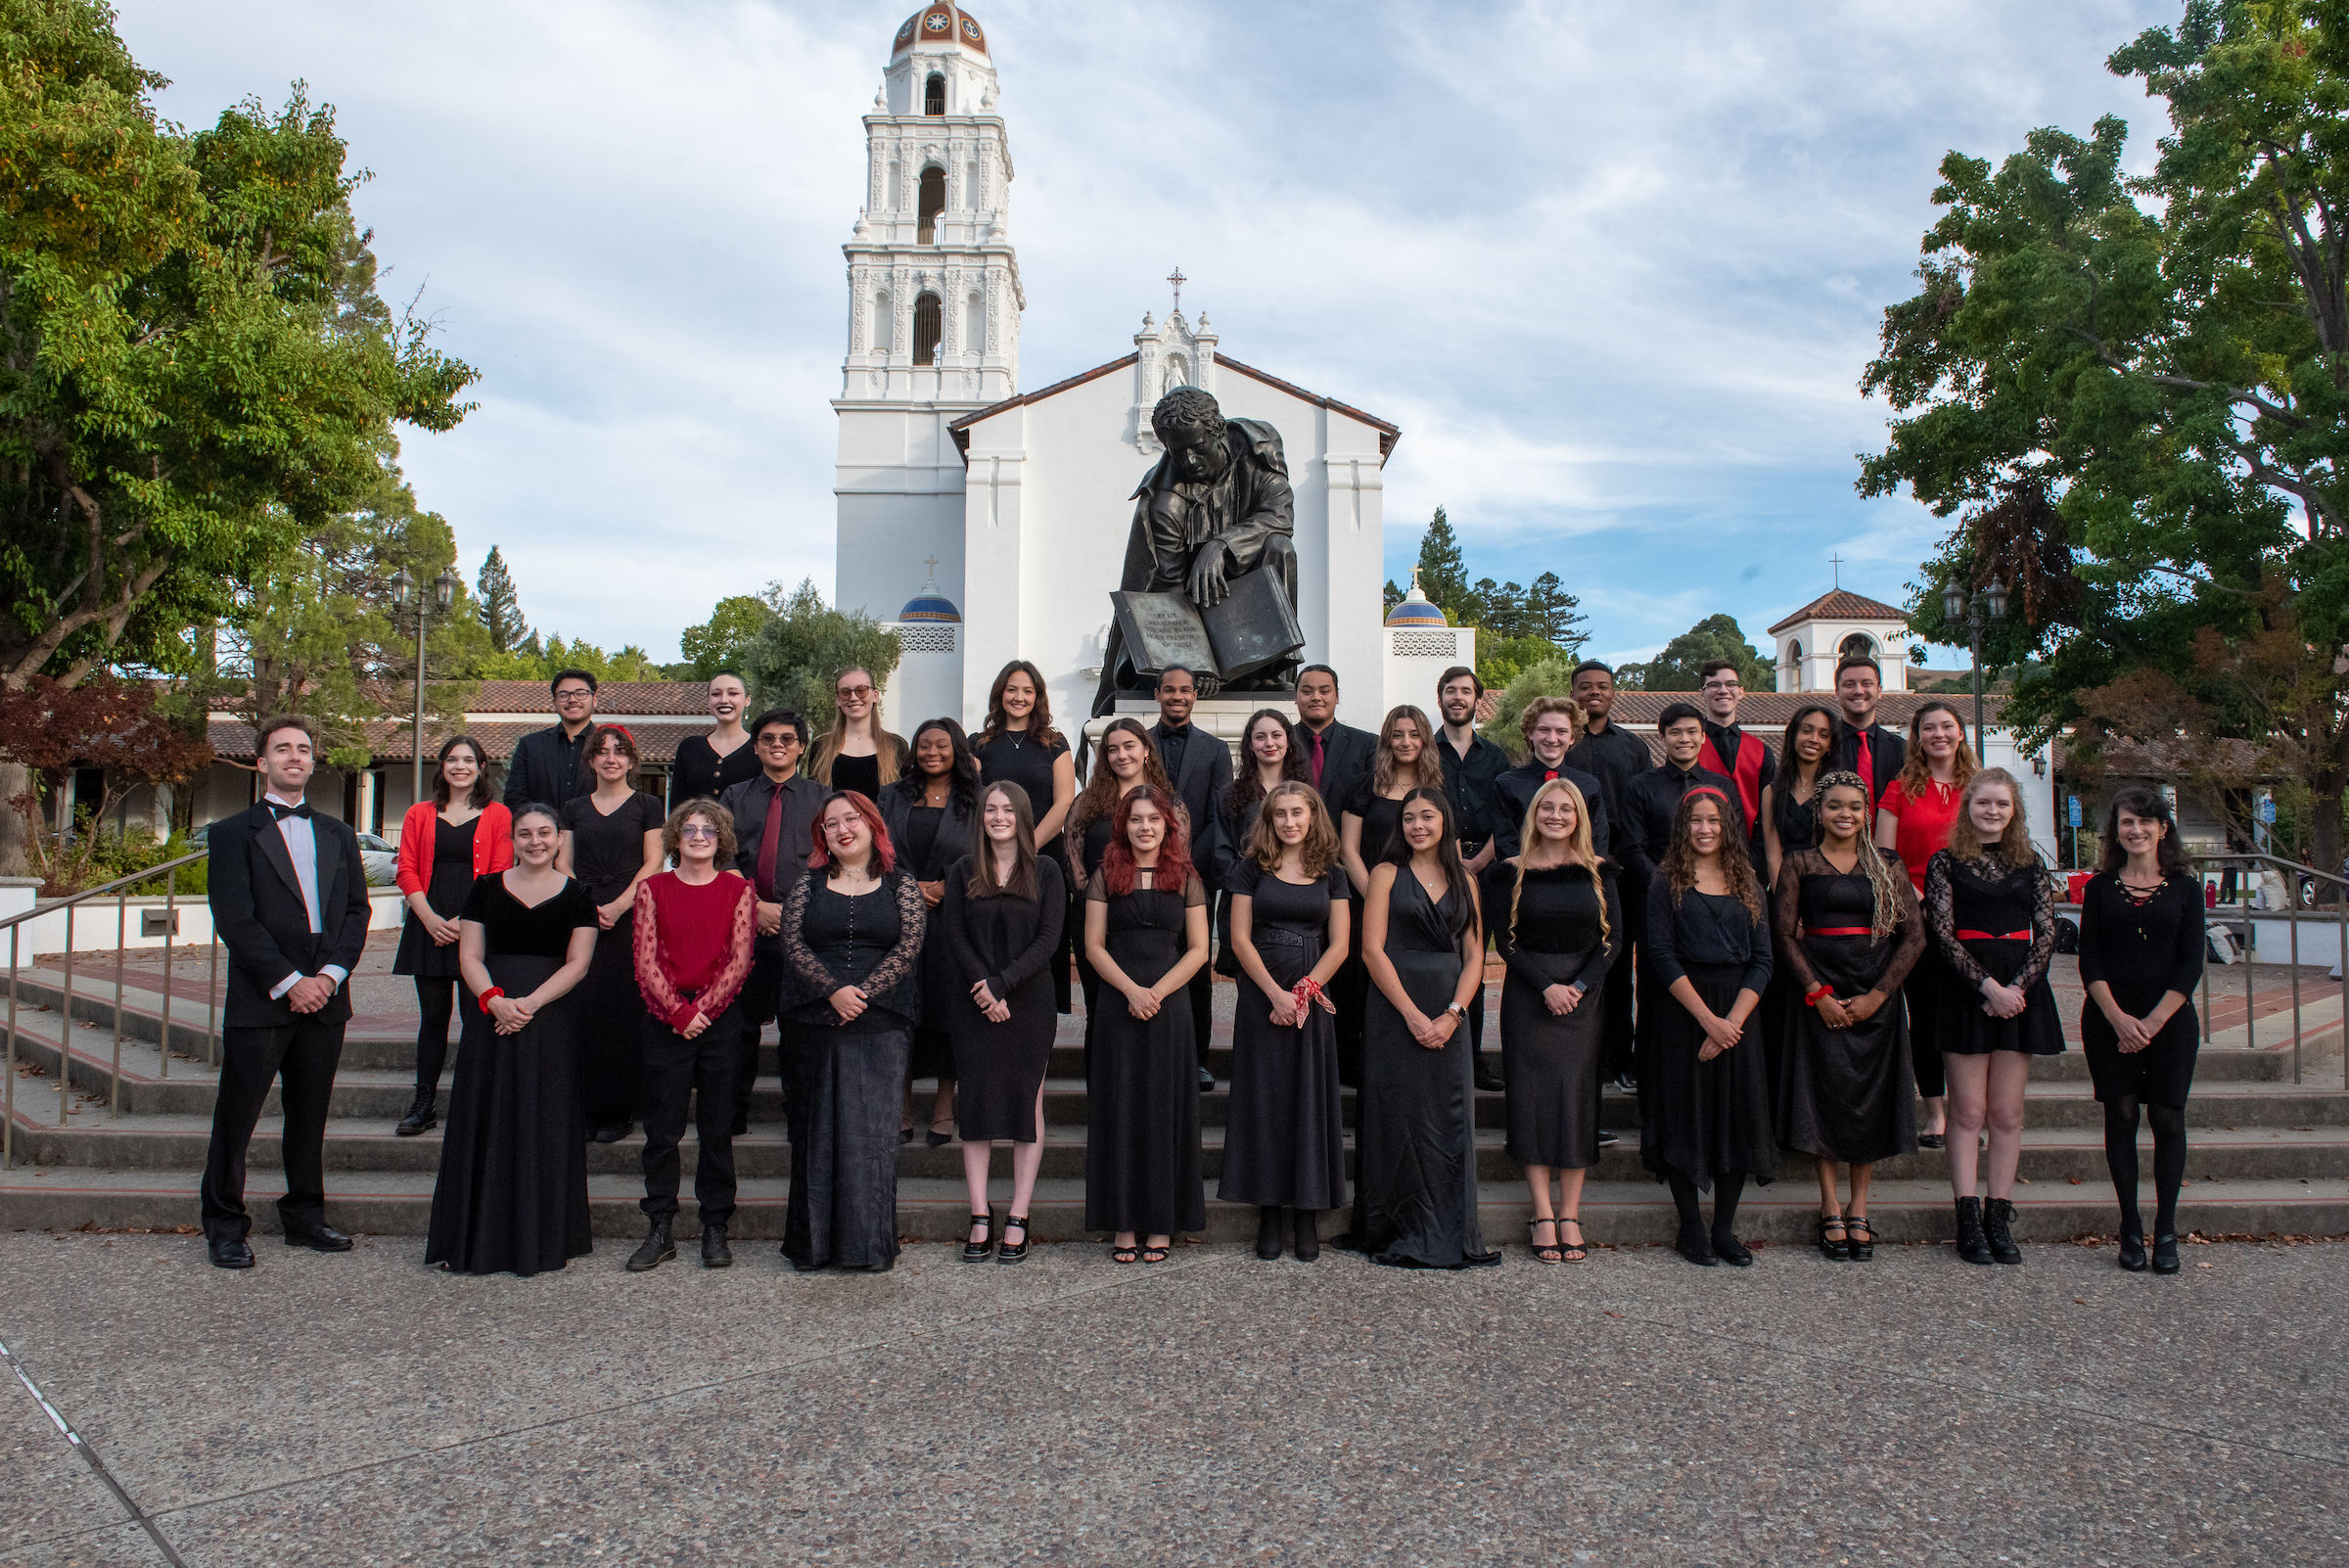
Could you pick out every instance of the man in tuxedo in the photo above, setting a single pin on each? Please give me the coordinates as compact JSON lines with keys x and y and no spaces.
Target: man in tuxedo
{"x":1199,"y":766}
{"x":1337,"y":759}
{"x":550,"y":765}
{"x":1867,"y":748}
{"x":1616,"y":756}
{"x":289,"y":900}
{"x":774,"y":830}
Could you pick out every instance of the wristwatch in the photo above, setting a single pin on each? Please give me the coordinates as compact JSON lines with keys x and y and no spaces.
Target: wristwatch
{"x":1456,"y":1010}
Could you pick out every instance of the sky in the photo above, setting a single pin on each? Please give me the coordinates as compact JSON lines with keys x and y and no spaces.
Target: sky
{"x":1615,"y":270}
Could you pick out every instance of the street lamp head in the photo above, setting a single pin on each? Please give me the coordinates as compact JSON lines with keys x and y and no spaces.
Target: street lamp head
{"x":444,"y":588}
{"x":1994,"y":600}
{"x":1953,"y":603}
{"x":404,"y":588}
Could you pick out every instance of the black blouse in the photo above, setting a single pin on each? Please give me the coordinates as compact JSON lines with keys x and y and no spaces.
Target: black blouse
{"x":1382,"y":819}
{"x":1556,"y":909}
{"x":512,"y":929}
{"x":2141,"y":948}
{"x":1705,"y":928}
{"x":608,"y":851}
{"x":700,"y":772}
{"x":1012,"y":758}
{"x":1990,"y":894}
{"x":870,"y":941}
{"x":1003,"y":939}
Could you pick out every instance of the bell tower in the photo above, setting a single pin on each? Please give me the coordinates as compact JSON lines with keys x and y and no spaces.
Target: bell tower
{"x":934,"y":310}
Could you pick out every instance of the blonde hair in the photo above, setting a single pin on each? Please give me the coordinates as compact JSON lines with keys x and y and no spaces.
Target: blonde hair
{"x":1965,"y":841}
{"x":888,"y":750}
{"x":1320,"y":844}
{"x":1528,"y":835}
{"x":1383,"y":764}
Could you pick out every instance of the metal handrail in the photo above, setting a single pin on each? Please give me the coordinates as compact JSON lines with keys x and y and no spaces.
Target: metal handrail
{"x":2291,"y":914}
{"x":120,"y":888}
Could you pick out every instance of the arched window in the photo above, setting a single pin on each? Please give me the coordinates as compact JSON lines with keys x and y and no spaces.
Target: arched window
{"x":932,"y":202}
{"x":1860,"y":644}
{"x":1794,"y":653}
{"x":974,"y":325}
{"x":925,"y":328}
{"x":934,"y":96}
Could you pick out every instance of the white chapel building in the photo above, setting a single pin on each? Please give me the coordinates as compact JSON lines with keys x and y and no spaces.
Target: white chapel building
{"x":987,"y":523}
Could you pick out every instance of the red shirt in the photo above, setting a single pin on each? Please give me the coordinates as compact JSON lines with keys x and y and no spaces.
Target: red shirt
{"x":1924,"y":823}
{"x":693,"y":945}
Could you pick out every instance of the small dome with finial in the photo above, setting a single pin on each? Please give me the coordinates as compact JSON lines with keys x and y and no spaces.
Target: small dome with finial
{"x":943,"y":22}
{"x":1417,"y":609}
{"x":931,"y":606}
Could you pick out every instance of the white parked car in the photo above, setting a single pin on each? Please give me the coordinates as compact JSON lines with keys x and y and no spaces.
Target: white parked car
{"x":378,"y":856}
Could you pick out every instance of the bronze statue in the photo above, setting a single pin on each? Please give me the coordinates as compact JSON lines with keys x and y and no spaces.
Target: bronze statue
{"x":1210,"y":565}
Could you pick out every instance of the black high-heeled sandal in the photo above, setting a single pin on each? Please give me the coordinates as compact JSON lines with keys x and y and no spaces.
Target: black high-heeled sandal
{"x":979,"y":1251}
{"x":1835,"y":1248}
{"x":1863,"y":1237}
{"x":1549,"y":1253}
{"x":1158,"y":1255}
{"x":1006,"y":1253}
{"x":1124,"y":1255}
{"x":1571,"y":1251}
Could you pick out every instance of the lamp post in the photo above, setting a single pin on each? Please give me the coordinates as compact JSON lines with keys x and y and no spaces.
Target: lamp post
{"x":1989,"y":604}
{"x":444,"y":594}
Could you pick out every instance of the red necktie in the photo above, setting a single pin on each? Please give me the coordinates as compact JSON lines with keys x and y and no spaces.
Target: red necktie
{"x":1549,"y":775}
{"x":1316,"y":735}
{"x":770,"y":846}
{"x":1868,"y":767}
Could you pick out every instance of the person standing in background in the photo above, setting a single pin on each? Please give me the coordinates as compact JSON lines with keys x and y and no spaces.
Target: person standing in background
{"x":1615,"y":757}
{"x":858,"y":753}
{"x":1018,"y":745}
{"x":550,"y":765}
{"x":1732,"y":752}
{"x":1872,"y":751}
{"x":1472,"y":765}
{"x":461,"y":833}
{"x":1199,"y":765}
{"x":774,"y":825}
{"x":709,"y":764}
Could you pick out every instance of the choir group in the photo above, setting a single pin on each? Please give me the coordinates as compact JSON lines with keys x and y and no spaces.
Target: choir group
{"x":1794,"y":949}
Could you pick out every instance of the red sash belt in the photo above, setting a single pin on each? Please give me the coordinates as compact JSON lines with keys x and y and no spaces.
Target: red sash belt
{"x":1993,"y":936}
{"x":1843,"y":931}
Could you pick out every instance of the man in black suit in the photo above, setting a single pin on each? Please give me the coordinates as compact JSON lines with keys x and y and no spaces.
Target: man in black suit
{"x":289,"y":900}
{"x":550,"y":765}
{"x":1616,"y":756}
{"x":1337,"y":759}
{"x":1873,"y":750}
{"x":1200,"y":766}
{"x":784,"y":800}
{"x":1549,"y":725}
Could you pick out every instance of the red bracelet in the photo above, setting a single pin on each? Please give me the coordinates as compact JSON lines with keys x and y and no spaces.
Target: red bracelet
{"x":1811,"y":997}
{"x":483,"y":1001}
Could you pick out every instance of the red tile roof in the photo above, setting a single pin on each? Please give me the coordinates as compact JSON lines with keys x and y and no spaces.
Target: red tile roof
{"x":655,"y":742}
{"x":618,"y":698}
{"x":1841,"y":604}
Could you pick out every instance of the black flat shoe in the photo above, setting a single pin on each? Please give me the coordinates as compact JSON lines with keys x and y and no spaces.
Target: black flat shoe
{"x":1011,"y":1252}
{"x":906,"y":1135}
{"x":978,"y":1251}
{"x":1608,"y":1140}
{"x":2165,"y":1255}
{"x":1836,"y":1246}
{"x":2132,"y":1252}
{"x":319,"y":1238}
{"x":1729,"y":1250}
{"x":230,"y":1252}
{"x":1861,"y":1237}
{"x":1695,"y":1246}
{"x":938,"y":1139}
{"x":1932,"y":1140}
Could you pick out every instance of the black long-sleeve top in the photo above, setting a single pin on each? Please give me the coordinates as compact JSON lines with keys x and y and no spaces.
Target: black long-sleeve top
{"x":548,"y":768}
{"x":1991,"y":895}
{"x":1813,"y":896}
{"x":1513,"y":795}
{"x":1655,"y":799}
{"x":1613,"y":756}
{"x":1003,"y":939}
{"x":1706,"y":928}
{"x":2142,"y":949}
{"x":1557,"y":910}
{"x":870,"y":941}
{"x":1468,"y":780}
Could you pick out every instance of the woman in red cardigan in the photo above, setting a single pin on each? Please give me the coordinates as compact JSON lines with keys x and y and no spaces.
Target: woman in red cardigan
{"x":461,"y":833}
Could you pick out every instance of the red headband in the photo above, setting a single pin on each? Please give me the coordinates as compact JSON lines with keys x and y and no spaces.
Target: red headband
{"x":1706,"y":789}
{"x":622,"y":729}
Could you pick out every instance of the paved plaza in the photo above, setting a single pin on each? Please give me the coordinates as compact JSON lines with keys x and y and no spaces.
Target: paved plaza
{"x":1214,"y":1409}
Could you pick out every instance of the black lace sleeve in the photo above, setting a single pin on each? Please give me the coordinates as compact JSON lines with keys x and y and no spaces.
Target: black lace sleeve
{"x":1941,"y":916}
{"x":1786,"y":918}
{"x":2043,"y":926}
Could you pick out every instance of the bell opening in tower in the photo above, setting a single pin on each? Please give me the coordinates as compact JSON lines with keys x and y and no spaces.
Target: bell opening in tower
{"x":933,"y":95}
{"x":927,"y":329}
{"x":933,"y":201}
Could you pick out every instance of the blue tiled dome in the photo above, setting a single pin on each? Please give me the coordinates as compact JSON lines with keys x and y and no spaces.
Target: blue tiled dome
{"x":935,"y":608}
{"x":1417,"y":609}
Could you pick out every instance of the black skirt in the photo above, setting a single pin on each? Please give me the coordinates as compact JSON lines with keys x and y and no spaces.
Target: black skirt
{"x":1551,"y":1066}
{"x":2162,"y":1073}
{"x":1965,"y":1030}
{"x":1285,"y":1143}
{"x":1846,"y":1093}
{"x":847,"y":1088}
{"x":512,"y":1194}
{"x":998,"y":1067}
{"x":1703,"y":1120}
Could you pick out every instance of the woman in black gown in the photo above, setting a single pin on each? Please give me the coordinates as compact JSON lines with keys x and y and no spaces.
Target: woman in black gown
{"x":1845,"y":1093}
{"x":1704,"y":1089}
{"x":1285,"y":1145}
{"x":1423,"y":943}
{"x":1145,"y":933}
{"x":1018,"y":745}
{"x":1001,"y":925}
{"x":1124,"y":761}
{"x":2141,"y":958}
{"x":461,"y":833}
{"x":610,"y":842}
{"x":852,"y":950}
{"x":932,"y":816}
{"x":1992,"y":918}
{"x":1559,"y":935}
{"x":1266,"y":759}
{"x":1789,"y":819}
{"x":512,"y":1194}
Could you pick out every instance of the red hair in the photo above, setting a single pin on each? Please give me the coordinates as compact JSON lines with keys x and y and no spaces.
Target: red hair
{"x":819,"y":856}
{"x":1173,"y":871}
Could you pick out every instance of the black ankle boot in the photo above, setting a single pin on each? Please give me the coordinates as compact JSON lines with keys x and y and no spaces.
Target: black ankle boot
{"x":1267,"y":1232}
{"x":421,"y":1117}
{"x":1308,"y":1233}
{"x":1972,"y":1246}
{"x":2133,"y":1244}
{"x":715,"y":1254}
{"x":1996,"y":1216}
{"x":656,"y":1249}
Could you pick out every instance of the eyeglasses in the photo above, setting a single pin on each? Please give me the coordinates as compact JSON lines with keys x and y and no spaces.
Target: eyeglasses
{"x":770,"y":738}
{"x":697,"y":830}
{"x":852,"y":694}
{"x":574,"y":694}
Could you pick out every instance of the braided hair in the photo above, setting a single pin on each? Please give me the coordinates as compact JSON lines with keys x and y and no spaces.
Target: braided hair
{"x":1883,"y":879}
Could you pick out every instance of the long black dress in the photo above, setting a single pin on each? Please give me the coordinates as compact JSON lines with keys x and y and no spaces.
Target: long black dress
{"x":1234,"y":831}
{"x":453,"y":879}
{"x":1703,"y":1119}
{"x":512,"y":1194}
{"x":1141,"y":1152}
{"x":1009,"y":943}
{"x":1990,"y":917}
{"x":1551,"y":1062}
{"x":848,"y":1079}
{"x":1845,"y":1093}
{"x":1285,"y":1143}
{"x":2141,"y":948}
{"x":928,"y":839}
{"x":1013,"y":757}
{"x":1414,"y":1195}
{"x":607,"y":850}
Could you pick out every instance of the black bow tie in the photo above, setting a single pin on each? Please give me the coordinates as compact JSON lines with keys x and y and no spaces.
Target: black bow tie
{"x":281,"y":812}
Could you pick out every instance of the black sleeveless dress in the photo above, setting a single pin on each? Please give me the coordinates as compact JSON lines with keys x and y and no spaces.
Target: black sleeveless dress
{"x":1285,"y":1143}
{"x":1141,"y":1152}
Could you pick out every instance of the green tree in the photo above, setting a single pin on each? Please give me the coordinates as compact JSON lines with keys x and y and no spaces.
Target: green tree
{"x":1497,"y":608}
{"x":497,"y":605}
{"x":1676,"y":668}
{"x":1443,"y":570}
{"x":723,"y":641}
{"x":2134,"y":392}
{"x":1553,"y":615}
{"x":806,"y":644}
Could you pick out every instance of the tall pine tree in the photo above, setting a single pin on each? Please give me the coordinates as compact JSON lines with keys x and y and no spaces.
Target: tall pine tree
{"x":499,"y":610}
{"x":1443,"y":570}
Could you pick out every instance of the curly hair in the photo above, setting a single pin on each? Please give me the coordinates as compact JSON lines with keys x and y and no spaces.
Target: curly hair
{"x":2139,"y":800}
{"x":672,"y":831}
{"x":1188,"y":407}
{"x":1678,"y":868}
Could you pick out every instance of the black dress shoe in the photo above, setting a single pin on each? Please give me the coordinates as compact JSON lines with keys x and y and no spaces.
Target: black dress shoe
{"x":1608,"y":1140}
{"x":319,"y":1237}
{"x":1487,"y":1079}
{"x":230,"y":1252}
{"x":1729,"y":1250}
{"x":2132,"y":1252}
{"x":609,"y":1132}
{"x":1207,"y":1081}
{"x":1695,"y":1246}
{"x":1627,"y":1082}
{"x":2165,"y":1255}
{"x":423,"y":1116}
{"x":715,"y":1254}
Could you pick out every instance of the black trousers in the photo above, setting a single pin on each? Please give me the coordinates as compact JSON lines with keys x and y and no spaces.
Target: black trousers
{"x":305,"y":1054}
{"x":703,"y":1072}
{"x":1922,"y":989}
{"x":762,"y":994}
